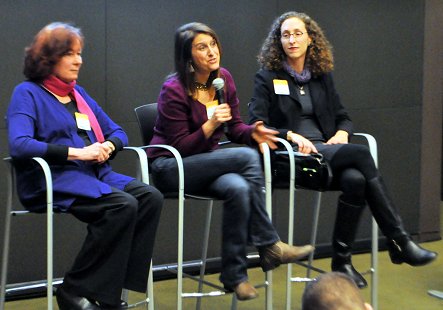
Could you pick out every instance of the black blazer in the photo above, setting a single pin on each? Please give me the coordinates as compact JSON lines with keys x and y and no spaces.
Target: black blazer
{"x":282,"y":111}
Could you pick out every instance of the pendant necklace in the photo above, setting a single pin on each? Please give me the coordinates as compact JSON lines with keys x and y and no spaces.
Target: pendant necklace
{"x":301,"y":90}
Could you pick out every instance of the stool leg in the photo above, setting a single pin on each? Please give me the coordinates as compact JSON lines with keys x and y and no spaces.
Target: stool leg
{"x":374,"y":265}
{"x":150,"y":291}
{"x":204,"y":251}
{"x":268,"y":276}
{"x":234,"y":302}
{"x":50,"y":250}
{"x":49,"y":230}
{"x":180,"y":254}
{"x":125,"y":295}
{"x":6,"y":236}
{"x":314,"y":231}
{"x":291,"y":215}
{"x":5,"y":255}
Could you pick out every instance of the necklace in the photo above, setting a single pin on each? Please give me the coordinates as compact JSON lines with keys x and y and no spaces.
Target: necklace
{"x":200,"y":86}
{"x":301,"y":90}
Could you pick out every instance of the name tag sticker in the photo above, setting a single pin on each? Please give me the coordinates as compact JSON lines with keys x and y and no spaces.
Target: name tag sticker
{"x":281,"y":87}
{"x":82,"y":121}
{"x":210,"y":107}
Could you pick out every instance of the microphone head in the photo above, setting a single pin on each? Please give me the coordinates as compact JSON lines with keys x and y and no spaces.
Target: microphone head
{"x":218,"y":83}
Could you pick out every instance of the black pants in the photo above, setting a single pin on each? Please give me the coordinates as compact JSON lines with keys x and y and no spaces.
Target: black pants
{"x":118,"y":247}
{"x":352,"y":166}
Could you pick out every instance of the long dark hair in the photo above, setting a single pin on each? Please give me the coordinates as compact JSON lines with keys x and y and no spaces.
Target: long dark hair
{"x":184,"y":36}
{"x":319,"y":58}
{"x":49,"y":45}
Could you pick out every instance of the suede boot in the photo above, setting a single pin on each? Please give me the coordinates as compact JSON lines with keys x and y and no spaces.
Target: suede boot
{"x":245,"y":291}
{"x":345,"y":229}
{"x":279,"y":253}
{"x":401,"y":248}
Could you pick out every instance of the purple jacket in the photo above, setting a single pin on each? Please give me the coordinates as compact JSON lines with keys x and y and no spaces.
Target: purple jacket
{"x":180,"y":119}
{"x":39,"y":125}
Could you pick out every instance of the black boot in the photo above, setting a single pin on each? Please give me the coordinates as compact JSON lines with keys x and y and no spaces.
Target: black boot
{"x":404,"y":250}
{"x":345,"y":228}
{"x":401,"y":248}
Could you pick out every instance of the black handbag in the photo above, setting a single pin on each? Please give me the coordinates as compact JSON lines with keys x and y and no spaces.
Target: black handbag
{"x":311,"y":170}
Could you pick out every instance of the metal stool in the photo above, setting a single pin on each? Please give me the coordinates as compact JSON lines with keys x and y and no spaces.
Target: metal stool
{"x":146,"y":116}
{"x":11,"y":181}
{"x":49,"y":225}
{"x":374,"y":237}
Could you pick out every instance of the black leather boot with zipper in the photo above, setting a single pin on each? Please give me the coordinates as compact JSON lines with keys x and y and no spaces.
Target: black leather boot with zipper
{"x":400,"y":245}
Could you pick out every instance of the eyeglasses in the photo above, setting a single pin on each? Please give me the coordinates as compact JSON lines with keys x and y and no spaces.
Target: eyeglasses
{"x":298,"y":35}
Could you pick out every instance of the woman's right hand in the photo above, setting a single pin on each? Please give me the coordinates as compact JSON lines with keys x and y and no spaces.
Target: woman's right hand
{"x":304,"y":145}
{"x":96,"y":153}
{"x":222,"y":114}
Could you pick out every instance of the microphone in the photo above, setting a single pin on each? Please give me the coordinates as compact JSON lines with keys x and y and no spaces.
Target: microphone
{"x":218,"y":84}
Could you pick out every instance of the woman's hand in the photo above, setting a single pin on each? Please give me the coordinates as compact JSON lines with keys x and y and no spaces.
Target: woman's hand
{"x":95,"y":153}
{"x":261,"y":134}
{"x":340,"y":137}
{"x":304,"y":145}
{"x":222,"y":114}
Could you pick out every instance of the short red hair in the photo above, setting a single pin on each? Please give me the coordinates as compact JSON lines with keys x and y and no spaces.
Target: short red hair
{"x":49,"y":45}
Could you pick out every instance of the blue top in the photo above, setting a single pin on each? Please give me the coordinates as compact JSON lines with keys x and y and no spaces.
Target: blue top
{"x":40,"y":126}
{"x":180,"y":118}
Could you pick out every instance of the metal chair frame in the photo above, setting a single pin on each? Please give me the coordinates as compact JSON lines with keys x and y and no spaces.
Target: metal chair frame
{"x":435,"y":293}
{"x":316,"y":213}
{"x":142,"y":170}
{"x":182,"y":196}
{"x":49,"y":235}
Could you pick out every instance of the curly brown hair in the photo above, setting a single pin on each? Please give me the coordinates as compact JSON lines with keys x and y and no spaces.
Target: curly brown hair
{"x":319,"y":57}
{"x":49,"y":45}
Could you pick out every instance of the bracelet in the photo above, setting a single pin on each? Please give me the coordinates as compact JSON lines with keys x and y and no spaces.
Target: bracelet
{"x":288,"y":136}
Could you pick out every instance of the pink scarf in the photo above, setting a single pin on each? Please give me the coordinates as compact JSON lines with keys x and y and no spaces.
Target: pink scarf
{"x":61,"y":88}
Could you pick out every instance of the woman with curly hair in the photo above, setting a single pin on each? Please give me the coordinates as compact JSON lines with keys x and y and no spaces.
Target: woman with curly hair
{"x":294,"y":94}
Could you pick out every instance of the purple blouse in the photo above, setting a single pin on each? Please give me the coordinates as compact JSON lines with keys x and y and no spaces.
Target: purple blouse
{"x":180,"y":119}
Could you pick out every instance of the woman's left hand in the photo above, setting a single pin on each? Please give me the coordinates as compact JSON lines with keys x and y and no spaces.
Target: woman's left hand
{"x":340,"y":137}
{"x":261,"y":134}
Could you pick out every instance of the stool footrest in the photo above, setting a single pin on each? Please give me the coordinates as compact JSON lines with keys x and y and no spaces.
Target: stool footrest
{"x":209,"y":294}
{"x":310,"y":267}
{"x":435,"y":293}
{"x":139,"y":303}
{"x":301,"y":279}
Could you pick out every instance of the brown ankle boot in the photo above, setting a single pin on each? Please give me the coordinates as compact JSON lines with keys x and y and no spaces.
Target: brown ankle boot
{"x":281,"y":253}
{"x":245,"y":291}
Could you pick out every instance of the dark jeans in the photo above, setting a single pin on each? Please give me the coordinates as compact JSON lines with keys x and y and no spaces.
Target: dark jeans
{"x":233,"y":175}
{"x":117,"y":251}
